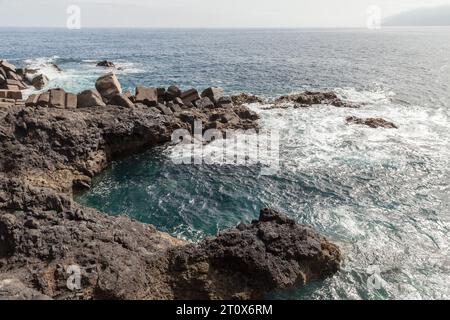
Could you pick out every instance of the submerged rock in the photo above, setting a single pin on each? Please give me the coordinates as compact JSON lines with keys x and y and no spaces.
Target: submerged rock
{"x":106,"y":64}
{"x":372,"y":122}
{"x":309,"y":98}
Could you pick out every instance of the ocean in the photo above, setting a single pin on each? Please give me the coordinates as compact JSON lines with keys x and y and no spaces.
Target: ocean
{"x":382,"y":195}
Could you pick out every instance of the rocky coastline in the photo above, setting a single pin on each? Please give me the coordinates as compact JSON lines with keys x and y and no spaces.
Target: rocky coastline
{"x":54,"y":143}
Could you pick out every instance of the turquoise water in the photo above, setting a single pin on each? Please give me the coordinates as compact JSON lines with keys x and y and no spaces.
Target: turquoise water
{"x":382,"y":195}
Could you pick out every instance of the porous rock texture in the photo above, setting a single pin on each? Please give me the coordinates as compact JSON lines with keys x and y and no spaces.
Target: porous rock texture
{"x":47,"y":153}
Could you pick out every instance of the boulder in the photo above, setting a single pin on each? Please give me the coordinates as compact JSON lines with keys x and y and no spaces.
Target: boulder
{"x":57,"y":98}
{"x":244,"y":98}
{"x":225,"y":102}
{"x":189,"y":96}
{"x":13,"y":75}
{"x":40,"y":81}
{"x":89,"y":98}
{"x":12,"y":84}
{"x":108,"y":86}
{"x":174,"y":107}
{"x":54,"y":98}
{"x":204,"y":103}
{"x":3,"y":73}
{"x":121,"y":100}
{"x":372,"y":122}
{"x":246,"y":114}
{"x":172,"y":93}
{"x":213,"y":93}
{"x":16,"y":95}
{"x":230,"y":118}
{"x":71,"y":101}
{"x":129,"y":95}
{"x":178,"y":101}
{"x":165,"y":110}
{"x":161,"y":94}
{"x":32,"y":100}
{"x":147,"y":96}
{"x":106,"y":64}
{"x":44,"y":99}
{"x":7,"y":66}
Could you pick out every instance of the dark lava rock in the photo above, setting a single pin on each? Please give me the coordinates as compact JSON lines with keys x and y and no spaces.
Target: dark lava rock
{"x":245,"y":98}
{"x":308,"y":98}
{"x":372,"y":122}
{"x":106,"y":64}
{"x":272,"y":253}
{"x":172,"y":93}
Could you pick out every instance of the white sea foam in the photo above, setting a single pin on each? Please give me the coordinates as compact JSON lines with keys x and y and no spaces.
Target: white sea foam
{"x":46,"y":66}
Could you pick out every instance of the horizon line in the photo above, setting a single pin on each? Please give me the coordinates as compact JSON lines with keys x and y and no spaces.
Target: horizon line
{"x":221,"y":28}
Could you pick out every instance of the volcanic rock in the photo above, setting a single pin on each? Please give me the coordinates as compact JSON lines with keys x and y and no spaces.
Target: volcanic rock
{"x":309,"y":98}
{"x":106,"y":64}
{"x":372,"y":122}
{"x":245,"y":98}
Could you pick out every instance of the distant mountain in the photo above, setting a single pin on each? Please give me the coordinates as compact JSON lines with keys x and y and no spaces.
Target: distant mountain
{"x":436,"y":16}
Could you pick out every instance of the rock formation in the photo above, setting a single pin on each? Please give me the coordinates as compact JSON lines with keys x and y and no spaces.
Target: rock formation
{"x":108,"y":86}
{"x":307,"y":99}
{"x":245,"y":98}
{"x":372,"y":122}
{"x":53,"y":147}
{"x":106,"y":64}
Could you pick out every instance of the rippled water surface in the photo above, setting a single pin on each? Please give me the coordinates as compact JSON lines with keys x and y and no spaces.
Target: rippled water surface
{"x":382,"y":195}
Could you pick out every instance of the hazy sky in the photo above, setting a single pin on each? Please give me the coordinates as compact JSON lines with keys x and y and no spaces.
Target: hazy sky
{"x":203,"y":13}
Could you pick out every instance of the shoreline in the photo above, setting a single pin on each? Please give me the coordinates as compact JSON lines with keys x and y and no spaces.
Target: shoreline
{"x":52,"y":148}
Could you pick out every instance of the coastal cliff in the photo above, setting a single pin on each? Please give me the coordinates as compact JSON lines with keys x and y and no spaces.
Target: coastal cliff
{"x":55,"y":142}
